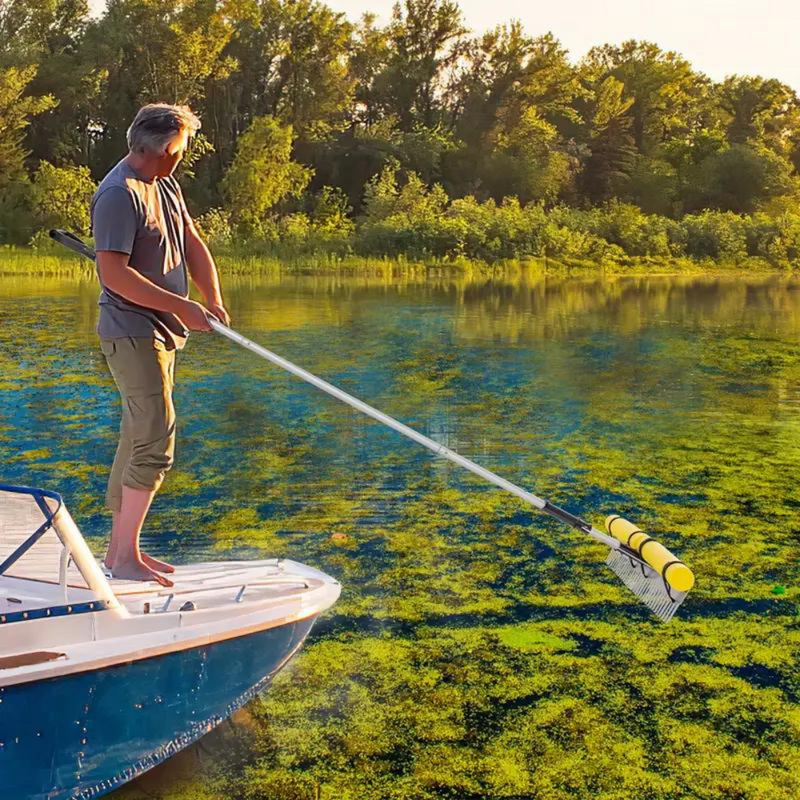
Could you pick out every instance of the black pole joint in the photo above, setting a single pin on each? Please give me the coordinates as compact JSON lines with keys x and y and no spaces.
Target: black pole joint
{"x":565,"y":516}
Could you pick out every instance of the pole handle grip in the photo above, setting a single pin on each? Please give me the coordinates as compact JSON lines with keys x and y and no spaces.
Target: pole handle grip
{"x":71,"y":241}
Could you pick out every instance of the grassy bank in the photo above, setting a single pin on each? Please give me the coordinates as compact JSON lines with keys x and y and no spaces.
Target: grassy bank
{"x":58,"y":263}
{"x":27,"y":261}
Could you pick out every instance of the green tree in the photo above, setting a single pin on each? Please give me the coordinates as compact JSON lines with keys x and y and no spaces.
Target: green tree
{"x":516,"y":97}
{"x":653,"y":185}
{"x":289,"y":62}
{"x":612,"y":151}
{"x":498,"y":62}
{"x":173,"y":62}
{"x":527,"y":163}
{"x":30,"y":28}
{"x":427,"y":40}
{"x":369,"y":58}
{"x":669,"y":97}
{"x":61,"y":197}
{"x":742,"y":177}
{"x":758,"y":110}
{"x":425,"y":151}
{"x":350,"y":159}
{"x":16,"y":111}
{"x":330,"y":211}
{"x":313,"y":89}
{"x":50,"y":33}
{"x":262,"y":173}
{"x":380,"y":193}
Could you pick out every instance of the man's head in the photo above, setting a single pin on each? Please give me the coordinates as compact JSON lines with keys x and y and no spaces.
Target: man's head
{"x":159,"y":135}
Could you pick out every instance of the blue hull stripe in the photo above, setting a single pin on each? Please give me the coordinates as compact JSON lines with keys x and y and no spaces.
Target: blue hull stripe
{"x":53,"y":611}
{"x":81,"y":736}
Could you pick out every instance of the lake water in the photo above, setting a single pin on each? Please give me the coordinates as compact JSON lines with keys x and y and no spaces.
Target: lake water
{"x":674,"y":401}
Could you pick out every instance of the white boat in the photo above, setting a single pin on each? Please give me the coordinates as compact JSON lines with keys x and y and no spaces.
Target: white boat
{"x":102,"y":679}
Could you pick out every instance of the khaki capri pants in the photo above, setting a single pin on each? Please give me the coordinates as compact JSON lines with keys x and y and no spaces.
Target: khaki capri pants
{"x":144,"y":371}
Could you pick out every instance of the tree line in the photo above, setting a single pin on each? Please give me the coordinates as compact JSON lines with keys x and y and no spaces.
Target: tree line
{"x":317,"y":127}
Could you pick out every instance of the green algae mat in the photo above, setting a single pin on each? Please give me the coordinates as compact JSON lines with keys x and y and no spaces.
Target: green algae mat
{"x":479,"y":650}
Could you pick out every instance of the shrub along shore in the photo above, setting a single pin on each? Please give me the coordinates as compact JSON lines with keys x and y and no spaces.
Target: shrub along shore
{"x":413,"y":230}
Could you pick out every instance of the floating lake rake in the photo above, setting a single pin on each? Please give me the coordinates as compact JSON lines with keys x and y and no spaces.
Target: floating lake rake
{"x":646,"y":567}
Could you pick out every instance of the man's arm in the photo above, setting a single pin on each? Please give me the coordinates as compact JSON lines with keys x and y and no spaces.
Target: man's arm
{"x":117,"y":275}
{"x":204,"y":273}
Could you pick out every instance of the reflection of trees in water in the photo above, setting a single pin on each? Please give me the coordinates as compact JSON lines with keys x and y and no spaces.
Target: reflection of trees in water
{"x":520,"y":305}
{"x":524,"y":306}
{"x":552,"y":308}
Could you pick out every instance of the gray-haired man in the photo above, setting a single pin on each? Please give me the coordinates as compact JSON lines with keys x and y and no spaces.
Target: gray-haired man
{"x":145,"y":243}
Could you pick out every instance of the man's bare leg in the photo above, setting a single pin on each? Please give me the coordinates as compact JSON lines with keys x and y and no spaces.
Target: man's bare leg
{"x":111,"y":553}
{"x":128,"y":561}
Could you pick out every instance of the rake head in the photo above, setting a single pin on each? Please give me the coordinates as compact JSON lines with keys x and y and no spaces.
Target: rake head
{"x":647,"y":584}
{"x":647,"y":568}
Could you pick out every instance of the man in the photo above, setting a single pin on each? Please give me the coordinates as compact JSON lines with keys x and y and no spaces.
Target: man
{"x":145,"y":242}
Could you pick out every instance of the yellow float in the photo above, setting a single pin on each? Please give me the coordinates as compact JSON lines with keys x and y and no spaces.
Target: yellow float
{"x":669,"y":566}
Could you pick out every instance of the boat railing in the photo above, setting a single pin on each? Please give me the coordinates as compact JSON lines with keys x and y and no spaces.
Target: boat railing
{"x":72,"y":548}
{"x":178,"y":592}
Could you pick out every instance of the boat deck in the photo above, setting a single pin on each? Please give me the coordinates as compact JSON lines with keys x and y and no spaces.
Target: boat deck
{"x":209,"y":585}
{"x":203,"y":585}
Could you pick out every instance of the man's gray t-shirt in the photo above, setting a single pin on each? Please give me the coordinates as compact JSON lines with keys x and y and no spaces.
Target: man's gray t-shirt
{"x":146,"y":220}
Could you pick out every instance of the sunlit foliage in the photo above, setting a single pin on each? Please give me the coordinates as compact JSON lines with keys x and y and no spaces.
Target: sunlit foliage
{"x":503,"y":114}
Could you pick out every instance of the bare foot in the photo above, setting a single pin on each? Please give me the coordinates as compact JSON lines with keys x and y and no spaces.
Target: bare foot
{"x":154,"y":563}
{"x":138,"y":571}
